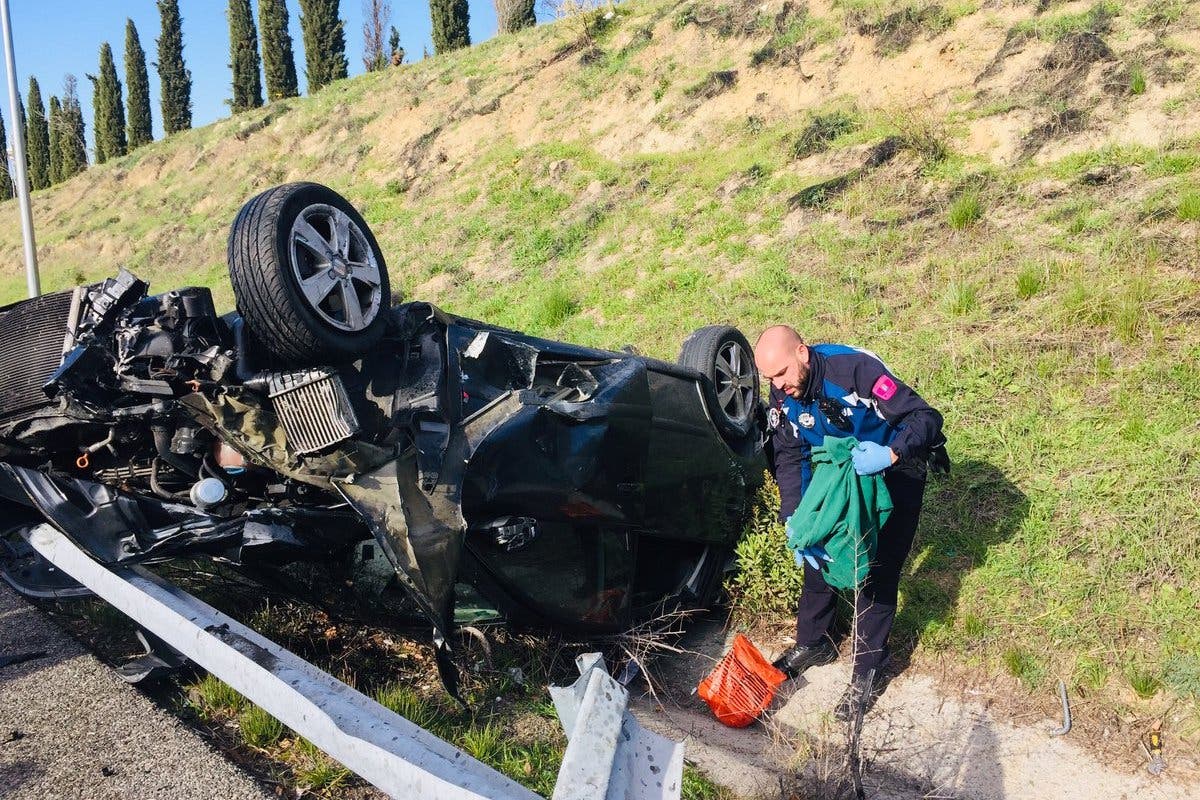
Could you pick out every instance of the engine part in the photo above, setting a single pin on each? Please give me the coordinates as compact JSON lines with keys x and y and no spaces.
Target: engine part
{"x":184,"y":441}
{"x":208,"y":492}
{"x":226,"y":457}
{"x":313,"y":407}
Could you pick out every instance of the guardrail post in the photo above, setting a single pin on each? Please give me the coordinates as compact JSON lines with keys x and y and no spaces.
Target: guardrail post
{"x":609,"y":755}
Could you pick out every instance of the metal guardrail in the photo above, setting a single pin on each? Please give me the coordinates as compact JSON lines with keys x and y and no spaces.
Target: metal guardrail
{"x":400,"y":758}
{"x":609,"y":755}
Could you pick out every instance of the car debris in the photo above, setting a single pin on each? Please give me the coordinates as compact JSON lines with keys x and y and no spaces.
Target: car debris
{"x":1152,"y":745}
{"x":366,"y":456}
{"x":1065,"y":728}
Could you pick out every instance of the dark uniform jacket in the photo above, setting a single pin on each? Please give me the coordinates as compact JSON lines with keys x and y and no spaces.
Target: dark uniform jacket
{"x":850,"y":392}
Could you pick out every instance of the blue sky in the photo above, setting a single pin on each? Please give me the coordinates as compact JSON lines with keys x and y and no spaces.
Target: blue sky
{"x":55,"y":37}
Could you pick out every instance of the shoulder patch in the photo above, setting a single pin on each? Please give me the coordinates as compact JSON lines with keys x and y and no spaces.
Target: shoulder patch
{"x":884,"y":388}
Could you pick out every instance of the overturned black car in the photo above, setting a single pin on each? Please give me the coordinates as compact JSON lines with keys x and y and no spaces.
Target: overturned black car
{"x":325,"y":441}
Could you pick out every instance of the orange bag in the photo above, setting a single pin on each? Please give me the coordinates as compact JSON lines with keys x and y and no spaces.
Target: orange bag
{"x":741,"y":686}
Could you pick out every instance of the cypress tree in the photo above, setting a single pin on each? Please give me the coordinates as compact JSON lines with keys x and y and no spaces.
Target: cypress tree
{"x":38,"y":142}
{"x":279,"y":64}
{"x":109,"y":110}
{"x":137,"y":83}
{"x":56,"y":174}
{"x":513,"y":15}
{"x":74,"y":146}
{"x":243,"y":57}
{"x":396,"y":52}
{"x":6,"y":184}
{"x":324,"y":43}
{"x":450,"y":18}
{"x":174,"y":75}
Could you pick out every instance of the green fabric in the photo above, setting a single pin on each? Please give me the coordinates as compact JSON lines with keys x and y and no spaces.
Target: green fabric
{"x":841,"y":511}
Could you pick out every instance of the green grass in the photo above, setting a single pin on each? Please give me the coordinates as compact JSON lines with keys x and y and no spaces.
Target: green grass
{"x":1029,"y":281}
{"x":1160,"y":13}
{"x":422,"y":711}
{"x":486,"y":743}
{"x":316,"y":771}
{"x":961,"y":298}
{"x":212,"y":696}
{"x":697,"y":786}
{"x":258,"y":728}
{"x":1144,"y":681}
{"x":965,"y":211}
{"x":1137,"y":79}
{"x":553,"y":308}
{"x":1090,"y":673}
{"x":1024,"y":666}
{"x":1189,"y":206}
{"x":1053,"y":27}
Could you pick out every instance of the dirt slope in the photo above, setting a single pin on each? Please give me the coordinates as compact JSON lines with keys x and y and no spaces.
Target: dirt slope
{"x":982,"y":74}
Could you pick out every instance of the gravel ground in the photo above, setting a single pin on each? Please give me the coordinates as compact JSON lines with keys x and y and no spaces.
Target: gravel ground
{"x":70,"y":728}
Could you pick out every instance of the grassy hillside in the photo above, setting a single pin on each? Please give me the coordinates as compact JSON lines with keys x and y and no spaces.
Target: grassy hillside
{"x":1001,"y":199}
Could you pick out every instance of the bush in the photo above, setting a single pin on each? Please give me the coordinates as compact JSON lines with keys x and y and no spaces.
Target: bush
{"x":767,"y":581}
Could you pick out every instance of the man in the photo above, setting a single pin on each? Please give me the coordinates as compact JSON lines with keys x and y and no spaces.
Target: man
{"x":835,"y":390}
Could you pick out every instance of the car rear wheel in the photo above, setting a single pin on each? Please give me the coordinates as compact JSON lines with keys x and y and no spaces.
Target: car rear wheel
{"x":308,"y":275}
{"x":722,"y":355}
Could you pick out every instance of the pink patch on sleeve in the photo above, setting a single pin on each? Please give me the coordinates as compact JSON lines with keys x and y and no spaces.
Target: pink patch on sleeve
{"x":884,"y":388}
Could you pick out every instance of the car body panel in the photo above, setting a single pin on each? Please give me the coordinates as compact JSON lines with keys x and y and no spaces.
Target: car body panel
{"x":575,"y":487}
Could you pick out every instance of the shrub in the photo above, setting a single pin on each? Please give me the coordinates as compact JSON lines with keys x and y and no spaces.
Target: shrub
{"x":821,"y":130}
{"x":767,"y":581}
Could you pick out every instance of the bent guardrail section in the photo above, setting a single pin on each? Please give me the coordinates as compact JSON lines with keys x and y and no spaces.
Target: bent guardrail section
{"x":609,"y":755}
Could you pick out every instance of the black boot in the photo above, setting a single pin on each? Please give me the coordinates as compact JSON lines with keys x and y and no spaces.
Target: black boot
{"x":795,"y":660}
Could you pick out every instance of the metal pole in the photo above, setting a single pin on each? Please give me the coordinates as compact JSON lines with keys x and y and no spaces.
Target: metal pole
{"x":22,"y":181}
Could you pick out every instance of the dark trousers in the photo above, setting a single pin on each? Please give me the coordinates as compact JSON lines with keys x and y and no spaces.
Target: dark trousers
{"x":876,"y":607}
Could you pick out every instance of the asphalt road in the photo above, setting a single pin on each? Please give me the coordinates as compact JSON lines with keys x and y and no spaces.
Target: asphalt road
{"x":70,"y":728}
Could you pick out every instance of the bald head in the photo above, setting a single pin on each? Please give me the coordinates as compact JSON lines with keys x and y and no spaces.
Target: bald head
{"x":778,"y":336}
{"x":782,"y":358}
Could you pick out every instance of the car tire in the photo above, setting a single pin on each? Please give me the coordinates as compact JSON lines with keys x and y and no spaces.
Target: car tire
{"x":308,"y":276}
{"x":723,"y":356}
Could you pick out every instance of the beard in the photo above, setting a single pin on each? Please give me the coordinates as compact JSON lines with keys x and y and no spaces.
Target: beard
{"x":802,"y":373}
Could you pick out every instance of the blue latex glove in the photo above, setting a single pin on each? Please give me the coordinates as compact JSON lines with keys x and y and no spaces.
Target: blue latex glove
{"x":870,"y":458}
{"x":811,"y":554}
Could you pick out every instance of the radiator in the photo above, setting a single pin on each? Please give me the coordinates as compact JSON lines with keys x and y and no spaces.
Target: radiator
{"x":313,"y":408}
{"x":31,"y":348}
